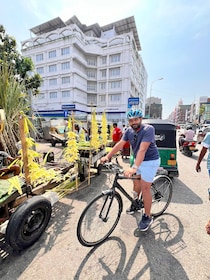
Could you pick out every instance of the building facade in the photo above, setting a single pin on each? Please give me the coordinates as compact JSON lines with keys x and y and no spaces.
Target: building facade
{"x":85,"y":67}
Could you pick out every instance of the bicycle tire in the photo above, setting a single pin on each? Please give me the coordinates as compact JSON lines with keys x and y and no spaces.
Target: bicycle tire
{"x":161,"y":189}
{"x":92,"y":230}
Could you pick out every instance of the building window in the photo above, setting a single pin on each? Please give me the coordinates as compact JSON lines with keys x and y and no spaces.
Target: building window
{"x":40,"y":70}
{"x":103,"y":73}
{"x":91,"y":61}
{"x":91,"y":87}
{"x":39,"y":57}
{"x":65,"y":94}
{"x":40,"y":95}
{"x":92,"y":99}
{"x":53,"y":68}
{"x":65,"y":51}
{"x":115,"y":58}
{"x":52,"y":82}
{"x":102,"y":98}
{"x":114,"y":98}
{"x":53,"y":94}
{"x":65,"y":65}
{"x":65,"y":80}
{"x":91,"y":74}
{"x":114,"y":72}
{"x":115,"y":84}
{"x":103,"y":60}
{"x":52,"y":54}
{"x":102,"y":85}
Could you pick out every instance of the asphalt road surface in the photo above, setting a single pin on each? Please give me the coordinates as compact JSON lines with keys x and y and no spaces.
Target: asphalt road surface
{"x":175,"y":247}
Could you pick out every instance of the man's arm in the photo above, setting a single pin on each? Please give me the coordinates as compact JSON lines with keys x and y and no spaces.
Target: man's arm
{"x":201,"y":156}
{"x":113,"y":151}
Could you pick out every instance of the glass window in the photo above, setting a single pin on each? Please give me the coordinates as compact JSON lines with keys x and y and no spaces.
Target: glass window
{"x":102,"y":85}
{"x":91,"y":61}
{"x":40,"y":95}
{"x":114,"y":72}
{"x":66,"y":80}
{"x":65,"y":51}
{"x":102,"y":98}
{"x":52,"y":54}
{"x":65,"y":93}
{"x":115,"y":58}
{"x":53,"y":68}
{"x":114,"y":97}
{"x":39,"y":57}
{"x":65,"y":65}
{"x":53,"y":94}
{"x":52,"y":82}
{"x":40,"y":70}
{"x":103,"y":60}
{"x":115,"y":84}
{"x":91,"y":74}
{"x":103,"y":73}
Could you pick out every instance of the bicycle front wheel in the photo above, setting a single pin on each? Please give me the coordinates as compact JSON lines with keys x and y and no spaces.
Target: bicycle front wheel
{"x":99,"y":219}
{"x":161,"y":190}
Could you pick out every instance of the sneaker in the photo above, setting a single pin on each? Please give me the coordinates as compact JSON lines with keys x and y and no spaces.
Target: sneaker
{"x":145,"y":222}
{"x":132,"y":209}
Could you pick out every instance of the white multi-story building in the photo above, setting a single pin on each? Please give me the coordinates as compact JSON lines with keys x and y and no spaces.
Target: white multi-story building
{"x":85,"y":67}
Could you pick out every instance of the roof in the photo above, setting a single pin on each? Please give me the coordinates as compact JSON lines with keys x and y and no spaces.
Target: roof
{"x":157,"y":121}
{"x":48,"y":26}
{"x":122,"y":26}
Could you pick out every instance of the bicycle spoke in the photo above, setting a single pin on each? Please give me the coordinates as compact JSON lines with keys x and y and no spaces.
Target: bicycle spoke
{"x":99,"y":219}
{"x":161,"y":190}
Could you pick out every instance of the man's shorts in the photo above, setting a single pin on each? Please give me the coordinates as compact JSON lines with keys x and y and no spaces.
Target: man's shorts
{"x":148,"y":170}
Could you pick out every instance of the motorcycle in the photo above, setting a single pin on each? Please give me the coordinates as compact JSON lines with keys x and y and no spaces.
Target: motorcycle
{"x":188,"y":147}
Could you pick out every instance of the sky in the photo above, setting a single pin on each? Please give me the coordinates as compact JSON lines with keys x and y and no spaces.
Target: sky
{"x":174,"y":37}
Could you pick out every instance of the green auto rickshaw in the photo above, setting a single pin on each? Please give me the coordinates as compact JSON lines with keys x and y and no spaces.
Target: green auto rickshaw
{"x":165,"y":135}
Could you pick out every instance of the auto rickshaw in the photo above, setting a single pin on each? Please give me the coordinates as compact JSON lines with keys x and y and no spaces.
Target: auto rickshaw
{"x":165,"y":135}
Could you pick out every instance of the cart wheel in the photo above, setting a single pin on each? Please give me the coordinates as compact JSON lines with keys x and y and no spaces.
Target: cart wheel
{"x":28,"y":222}
{"x":99,"y":168}
{"x":53,"y":142}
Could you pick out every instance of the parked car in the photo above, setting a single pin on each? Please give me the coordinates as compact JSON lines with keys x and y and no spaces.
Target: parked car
{"x":201,"y":134}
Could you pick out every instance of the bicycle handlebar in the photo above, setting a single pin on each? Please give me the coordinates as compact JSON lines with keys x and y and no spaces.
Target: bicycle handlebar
{"x":118,"y":170}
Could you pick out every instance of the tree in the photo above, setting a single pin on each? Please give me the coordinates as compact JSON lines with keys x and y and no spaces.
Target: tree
{"x":16,"y":84}
{"x":21,"y":67}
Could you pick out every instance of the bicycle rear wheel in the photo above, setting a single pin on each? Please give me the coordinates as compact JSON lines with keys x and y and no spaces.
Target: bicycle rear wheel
{"x":161,"y":190}
{"x":99,"y":219}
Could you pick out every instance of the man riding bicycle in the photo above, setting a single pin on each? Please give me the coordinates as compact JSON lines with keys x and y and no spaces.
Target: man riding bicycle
{"x":142,"y":140}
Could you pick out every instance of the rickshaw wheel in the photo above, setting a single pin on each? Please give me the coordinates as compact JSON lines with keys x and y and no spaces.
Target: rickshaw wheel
{"x":28,"y":222}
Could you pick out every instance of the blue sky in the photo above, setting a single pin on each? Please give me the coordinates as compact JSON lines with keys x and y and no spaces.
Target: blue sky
{"x":174,"y":36}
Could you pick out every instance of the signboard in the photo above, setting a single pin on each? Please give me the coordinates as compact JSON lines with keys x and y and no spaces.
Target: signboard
{"x":68,"y":107}
{"x":133,"y":101}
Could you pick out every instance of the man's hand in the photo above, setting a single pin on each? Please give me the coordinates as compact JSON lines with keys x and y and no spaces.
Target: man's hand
{"x":104,"y":159}
{"x":130,"y":172}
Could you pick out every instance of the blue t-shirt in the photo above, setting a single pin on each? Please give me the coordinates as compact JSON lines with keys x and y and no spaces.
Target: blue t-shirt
{"x":145,"y":134}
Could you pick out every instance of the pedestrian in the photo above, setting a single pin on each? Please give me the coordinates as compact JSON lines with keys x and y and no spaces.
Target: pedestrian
{"x":5,"y":170}
{"x":146,"y":163}
{"x":205,"y":146}
{"x":116,"y":135}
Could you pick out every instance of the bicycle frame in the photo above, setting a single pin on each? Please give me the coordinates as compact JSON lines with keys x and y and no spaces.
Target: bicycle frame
{"x":111,"y":191}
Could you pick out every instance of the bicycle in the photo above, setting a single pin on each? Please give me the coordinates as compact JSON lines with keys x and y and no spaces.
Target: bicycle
{"x":102,"y":214}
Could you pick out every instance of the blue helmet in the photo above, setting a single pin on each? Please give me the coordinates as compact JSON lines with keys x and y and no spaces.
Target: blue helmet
{"x":133,"y":114}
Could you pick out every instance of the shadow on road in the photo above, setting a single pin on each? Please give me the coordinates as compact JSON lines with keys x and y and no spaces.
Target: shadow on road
{"x":183,"y":194}
{"x":158,"y":245}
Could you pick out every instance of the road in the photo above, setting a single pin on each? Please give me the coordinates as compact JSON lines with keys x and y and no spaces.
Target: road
{"x":176,"y":246}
